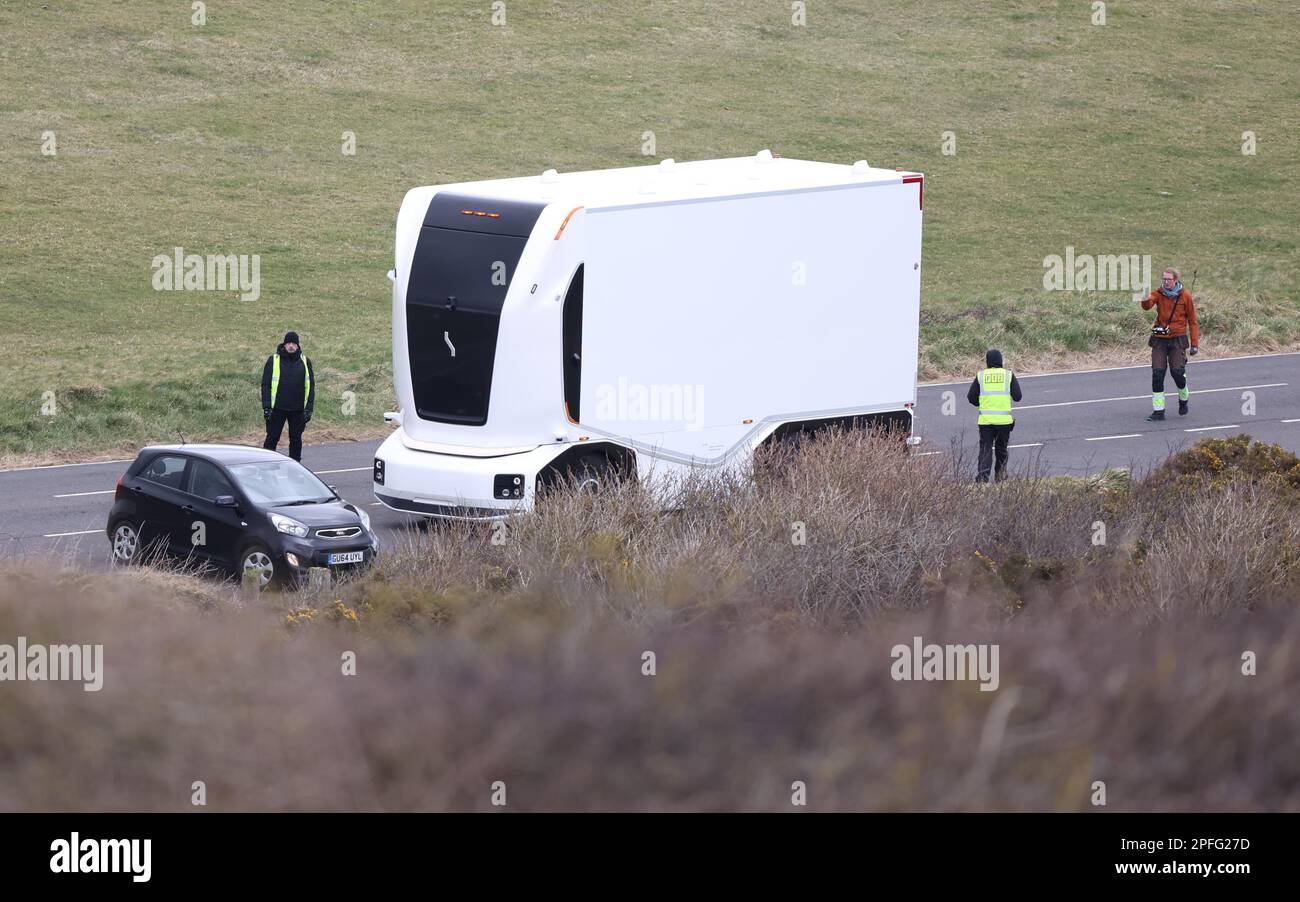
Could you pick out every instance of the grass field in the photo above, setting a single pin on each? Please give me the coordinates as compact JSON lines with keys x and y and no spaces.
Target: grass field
{"x":227,"y":138}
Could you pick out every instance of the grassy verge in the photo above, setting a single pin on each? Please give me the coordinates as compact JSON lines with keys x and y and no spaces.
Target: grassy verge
{"x":605,"y":656}
{"x":228,"y":138}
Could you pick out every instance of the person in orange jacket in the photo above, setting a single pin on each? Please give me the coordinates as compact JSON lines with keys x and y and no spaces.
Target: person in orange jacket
{"x":1174,"y":333}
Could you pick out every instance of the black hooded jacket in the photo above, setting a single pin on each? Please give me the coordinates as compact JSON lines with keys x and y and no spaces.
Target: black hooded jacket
{"x":293,"y":369}
{"x":992,"y":359}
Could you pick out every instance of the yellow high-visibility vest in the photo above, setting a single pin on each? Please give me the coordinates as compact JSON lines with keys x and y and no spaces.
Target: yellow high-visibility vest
{"x":995,"y":397}
{"x":275,"y":379}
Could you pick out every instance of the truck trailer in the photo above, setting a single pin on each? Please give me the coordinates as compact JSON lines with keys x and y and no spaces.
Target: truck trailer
{"x":646,"y":321}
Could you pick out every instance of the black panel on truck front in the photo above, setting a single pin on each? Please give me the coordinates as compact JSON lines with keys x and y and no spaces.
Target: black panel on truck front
{"x":463,"y":265}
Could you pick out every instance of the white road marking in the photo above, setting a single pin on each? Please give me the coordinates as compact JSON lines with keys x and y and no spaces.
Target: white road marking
{"x":351,"y":470}
{"x":81,"y":494}
{"x":1103,"y":438}
{"x":1029,"y":445}
{"x":927,"y":453}
{"x":56,"y":535}
{"x":1208,"y":428}
{"x":1111,"y":369}
{"x":376,"y":503}
{"x":1291,"y":421}
{"x":1168,"y":394}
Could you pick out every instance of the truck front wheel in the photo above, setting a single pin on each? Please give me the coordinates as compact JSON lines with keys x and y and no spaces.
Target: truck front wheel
{"x":589,"y":473}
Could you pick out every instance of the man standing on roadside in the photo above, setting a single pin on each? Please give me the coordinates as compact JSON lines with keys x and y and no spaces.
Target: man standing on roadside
{"x":992,"y":392}
{"x":1175,"y":330}
{"x":288,"y":394}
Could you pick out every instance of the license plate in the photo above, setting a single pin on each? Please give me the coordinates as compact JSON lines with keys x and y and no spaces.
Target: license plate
{"x":347,"y":557}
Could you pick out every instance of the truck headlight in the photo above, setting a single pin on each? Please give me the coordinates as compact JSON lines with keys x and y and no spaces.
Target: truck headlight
{"x":289,"y":525}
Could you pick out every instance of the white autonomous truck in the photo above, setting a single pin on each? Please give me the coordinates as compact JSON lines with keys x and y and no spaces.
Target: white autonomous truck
{"x":649,"y":320}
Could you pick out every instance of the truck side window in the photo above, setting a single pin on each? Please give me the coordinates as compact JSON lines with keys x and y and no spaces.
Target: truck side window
{"x":573,"y":346}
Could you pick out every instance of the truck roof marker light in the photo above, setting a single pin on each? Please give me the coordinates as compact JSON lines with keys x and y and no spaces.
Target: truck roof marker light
{"x":481,"y":213}
{"x":747,"y":420}
{"x":920,"y":184}
{"x":560,"y":231}
{"x":583,"y":438}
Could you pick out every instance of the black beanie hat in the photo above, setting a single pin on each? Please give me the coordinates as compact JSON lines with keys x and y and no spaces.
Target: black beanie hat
{"x":292,"y":337}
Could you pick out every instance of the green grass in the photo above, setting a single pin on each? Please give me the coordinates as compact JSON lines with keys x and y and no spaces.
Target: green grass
{"x":225,"y":138}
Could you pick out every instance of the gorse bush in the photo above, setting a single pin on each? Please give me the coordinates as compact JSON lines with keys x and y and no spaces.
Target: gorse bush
{"x":1218,"y":462}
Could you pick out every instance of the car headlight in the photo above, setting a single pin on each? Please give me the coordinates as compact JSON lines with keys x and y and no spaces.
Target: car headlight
{"x":289,"y":525}
{"x":365,"y":519}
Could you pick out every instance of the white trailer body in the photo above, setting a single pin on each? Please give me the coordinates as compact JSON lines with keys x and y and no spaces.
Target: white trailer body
{"x":661,"y":318}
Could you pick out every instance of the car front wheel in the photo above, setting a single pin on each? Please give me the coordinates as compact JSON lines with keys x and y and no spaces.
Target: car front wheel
{"x":257,"y":560}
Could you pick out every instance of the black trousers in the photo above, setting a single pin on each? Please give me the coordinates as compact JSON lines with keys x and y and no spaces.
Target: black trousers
{"x":275,"y":425}
{"x":994,"y":438}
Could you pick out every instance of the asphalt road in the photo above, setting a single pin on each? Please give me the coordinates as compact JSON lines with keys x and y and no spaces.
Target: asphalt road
{"x":1068,"y":423}
{"x":1083,"y":422}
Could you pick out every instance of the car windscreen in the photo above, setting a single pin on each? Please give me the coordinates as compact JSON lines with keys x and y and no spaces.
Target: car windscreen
{"x":275,"y":482}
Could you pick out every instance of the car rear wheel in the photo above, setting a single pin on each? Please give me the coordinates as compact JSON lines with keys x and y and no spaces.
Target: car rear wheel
{"x":124,"y":537}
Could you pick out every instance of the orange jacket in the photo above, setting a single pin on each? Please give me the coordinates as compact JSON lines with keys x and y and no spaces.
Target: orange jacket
{"x":1182,"y":311}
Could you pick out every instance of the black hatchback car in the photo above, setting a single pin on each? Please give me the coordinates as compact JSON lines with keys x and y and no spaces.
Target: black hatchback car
{"x":240,"y":508}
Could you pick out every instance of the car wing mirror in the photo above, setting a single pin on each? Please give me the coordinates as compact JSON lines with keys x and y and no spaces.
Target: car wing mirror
{"x":226,"y":501}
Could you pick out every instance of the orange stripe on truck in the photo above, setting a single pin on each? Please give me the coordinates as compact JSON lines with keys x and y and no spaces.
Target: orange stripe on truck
{"x":566,"y":222}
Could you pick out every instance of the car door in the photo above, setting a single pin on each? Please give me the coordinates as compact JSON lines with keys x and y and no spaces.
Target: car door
{"x":213,"y":532}
{"x":160,"y":499}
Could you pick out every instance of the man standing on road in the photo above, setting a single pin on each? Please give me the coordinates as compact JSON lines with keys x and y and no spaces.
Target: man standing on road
{"x":288,"y":394}
{"x":992,"y":392}
{"x":1170,"y":339}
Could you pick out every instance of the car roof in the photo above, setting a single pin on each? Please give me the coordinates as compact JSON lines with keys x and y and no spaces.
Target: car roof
{"x":224,"y":454}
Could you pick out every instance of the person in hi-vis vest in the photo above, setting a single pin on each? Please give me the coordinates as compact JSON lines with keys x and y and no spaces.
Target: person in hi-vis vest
{"x":288,"y":394}
{"x":992,"y":392}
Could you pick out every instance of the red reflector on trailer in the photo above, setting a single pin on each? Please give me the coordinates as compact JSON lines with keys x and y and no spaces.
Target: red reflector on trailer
{"x":920,"y":185}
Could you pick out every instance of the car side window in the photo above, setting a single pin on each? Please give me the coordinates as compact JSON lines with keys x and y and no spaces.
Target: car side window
{"x":207,"y":481}
{"x":165,"y":469}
